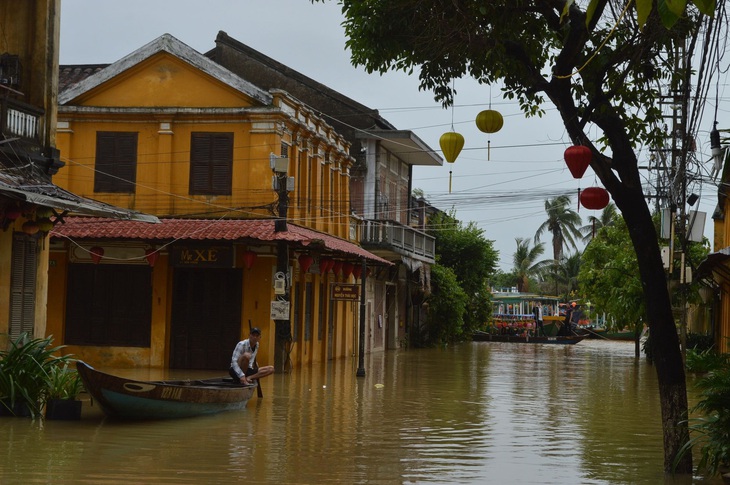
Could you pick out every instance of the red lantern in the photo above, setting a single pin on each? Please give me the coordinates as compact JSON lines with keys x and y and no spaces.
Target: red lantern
{"x":249,"y":258}
{"x":325,"y":265}
{"x":305,"y":261}
{"x":337,"y":267}
{"x":594,"y":198}
{"x":151,"y":255}
{"x":96,"y":254}
{"x":577,"y":158}
{"x":347,"y":269}
{"x":12,"y":213}
{"x":357,"y":271}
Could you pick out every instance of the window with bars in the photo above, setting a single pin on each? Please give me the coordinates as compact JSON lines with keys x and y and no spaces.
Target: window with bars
{"x":211,"y":163}
{"x":116,"y":161}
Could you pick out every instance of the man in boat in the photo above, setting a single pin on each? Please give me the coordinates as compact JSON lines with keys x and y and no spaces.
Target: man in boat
{"x":567,"y":329}
{"x":243,"y":361}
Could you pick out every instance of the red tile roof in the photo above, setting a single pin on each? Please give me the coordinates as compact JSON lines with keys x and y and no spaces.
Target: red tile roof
{"x":205,"y":229}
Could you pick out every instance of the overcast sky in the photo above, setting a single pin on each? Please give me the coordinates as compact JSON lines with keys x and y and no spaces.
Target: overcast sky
{"x":504,"y":195}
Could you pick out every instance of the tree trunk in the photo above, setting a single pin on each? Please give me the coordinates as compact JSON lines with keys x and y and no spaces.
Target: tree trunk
{"x":663,"y":341}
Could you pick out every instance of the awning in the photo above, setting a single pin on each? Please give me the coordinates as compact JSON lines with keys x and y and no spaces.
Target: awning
{"x":53,"y":196}
{"x":208,"y":230}
{"x":714,"y":267}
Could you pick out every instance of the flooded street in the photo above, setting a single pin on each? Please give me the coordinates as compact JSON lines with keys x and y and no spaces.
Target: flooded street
{"x":478,"y":412}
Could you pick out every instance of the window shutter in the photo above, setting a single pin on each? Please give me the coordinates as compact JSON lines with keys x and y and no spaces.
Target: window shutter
{"x":22,"y":285}
{"x":211,"y":163}
{"x":116,"y":162}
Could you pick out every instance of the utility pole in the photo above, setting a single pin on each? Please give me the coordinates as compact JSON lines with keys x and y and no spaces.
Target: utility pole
{"x":280,"y":307}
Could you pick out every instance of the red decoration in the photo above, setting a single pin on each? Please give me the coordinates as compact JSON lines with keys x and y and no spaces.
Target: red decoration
{"x":337,"y":267}
{"x":151,"y":255}
{"x":325,"y":265}
{"x":96,"y":254}
{"x":594,"y":198}
{"x":577,"y":158}
{"x":12,"y":213}
{"x":347,"y":269}
{"x":249,"y":258}
{"x":357,"y":271}
{"x":305,"y":261}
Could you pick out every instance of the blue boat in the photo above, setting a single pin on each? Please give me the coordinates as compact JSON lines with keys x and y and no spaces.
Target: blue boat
{"x":119,"y":397}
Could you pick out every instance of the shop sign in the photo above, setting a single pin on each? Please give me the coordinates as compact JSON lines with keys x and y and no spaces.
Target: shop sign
{"x":213,"y":256}
{"x":346,"y":292}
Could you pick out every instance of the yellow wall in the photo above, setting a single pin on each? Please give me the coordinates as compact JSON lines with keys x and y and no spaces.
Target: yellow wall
{"x":166,"y":89}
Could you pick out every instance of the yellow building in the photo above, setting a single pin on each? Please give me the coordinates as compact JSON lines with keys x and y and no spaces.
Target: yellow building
{"x":168,"y":131}
{"x":29,"y":202}
{"x":714,"y":271}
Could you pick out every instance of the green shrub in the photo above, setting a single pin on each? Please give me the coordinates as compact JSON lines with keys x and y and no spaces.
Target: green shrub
{"x":703,"y":361}
{"x":24,"y":372}
{"x":64,"y":383}
{"x":712,"y":430}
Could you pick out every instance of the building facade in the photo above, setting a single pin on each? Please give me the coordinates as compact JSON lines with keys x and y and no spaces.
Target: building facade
{"x":171,"y":132}
{"x":30,"y":203}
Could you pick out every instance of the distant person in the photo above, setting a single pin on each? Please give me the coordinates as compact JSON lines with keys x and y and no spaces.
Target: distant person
{"x":537,"y":311}
{"x":243,"y":361}
{"x":566,"y":329}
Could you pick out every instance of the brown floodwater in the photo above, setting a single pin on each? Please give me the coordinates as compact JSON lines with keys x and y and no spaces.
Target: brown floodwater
{"x":478,"y":412}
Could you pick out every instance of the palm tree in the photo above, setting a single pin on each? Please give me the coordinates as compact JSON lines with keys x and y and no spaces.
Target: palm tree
{"x":607,"y":218}
{"x":562,"y":223}
{"x":568,"y":271}
{"x":526,"y":264}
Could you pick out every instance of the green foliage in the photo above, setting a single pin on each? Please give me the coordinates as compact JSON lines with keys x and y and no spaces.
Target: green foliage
{"x":703,"y":361}
{"x":562,"y":222}
{"x":25,"y":369}
{"x":712,"y":429}
{"x":64,"y":383}
{"x":446,"y":306}
{"x":473,"y":259}
{"x":526,"y":265}
{"x":609,"y":275}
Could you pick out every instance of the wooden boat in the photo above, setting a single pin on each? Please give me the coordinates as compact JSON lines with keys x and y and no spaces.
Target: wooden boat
{"x":489,"y":337}
{"x":127,"y":398}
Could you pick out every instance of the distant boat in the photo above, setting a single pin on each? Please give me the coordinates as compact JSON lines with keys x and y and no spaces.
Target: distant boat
{"x":129,"y":398}
{"x":526,"y":339}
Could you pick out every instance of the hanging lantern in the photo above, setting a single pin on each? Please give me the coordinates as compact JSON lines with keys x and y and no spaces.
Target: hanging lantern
{"x":347,"y":269}
{"x":489,"y":121}
{"x":30,"y":227}
{"x":451,"y":145}
{"x":96,"y":254}
{"x":325,"y":265}
{"x":151,"y":254}
{"x":357,"y":271}
{"x":12,"y":213}
{"x":337,"y":267}
{"x":249,"y":258}
{"x":45,"y":224}
{"x":594,"y":198}
{"x":577,"y":157}
{"x":305,"y":261}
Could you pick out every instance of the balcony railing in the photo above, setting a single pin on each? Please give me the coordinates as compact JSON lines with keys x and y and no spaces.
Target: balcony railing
{"x":22,"y":120}
{"x":398,"y":238}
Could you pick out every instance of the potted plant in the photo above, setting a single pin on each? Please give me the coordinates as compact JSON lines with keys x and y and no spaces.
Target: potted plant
{"x":24,"y":371}
{"x":64,"y":387}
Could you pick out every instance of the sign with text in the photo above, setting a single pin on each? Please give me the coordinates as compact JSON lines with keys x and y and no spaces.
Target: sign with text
{"x":279,"y":310}
{"x":341,"y":291}
{"x":203,"y":256}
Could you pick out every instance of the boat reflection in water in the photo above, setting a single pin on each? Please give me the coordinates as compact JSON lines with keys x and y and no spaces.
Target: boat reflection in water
{"x":473,"y":413}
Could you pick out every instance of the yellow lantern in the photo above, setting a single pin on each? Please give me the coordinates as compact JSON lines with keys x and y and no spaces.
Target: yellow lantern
{"x":489,"y":121}
{"x":451,"y":145}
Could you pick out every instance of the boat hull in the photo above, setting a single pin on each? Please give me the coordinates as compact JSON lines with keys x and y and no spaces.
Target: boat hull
{"x":560,"y":340}
{"x":127,"y":398}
